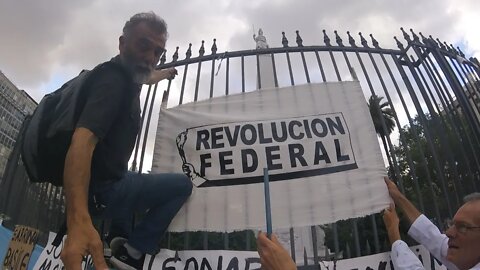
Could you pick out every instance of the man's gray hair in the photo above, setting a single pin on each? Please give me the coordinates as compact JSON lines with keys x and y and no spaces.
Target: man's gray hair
{"x":150,"y":18}
{"x":472,"y":197}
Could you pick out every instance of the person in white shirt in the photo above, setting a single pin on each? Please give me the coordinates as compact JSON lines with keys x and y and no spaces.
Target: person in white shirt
{"x":459,"y":247}
{"x":402,"y":257}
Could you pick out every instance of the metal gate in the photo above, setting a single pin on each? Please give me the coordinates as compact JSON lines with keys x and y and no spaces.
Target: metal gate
{"x":423,"y":98}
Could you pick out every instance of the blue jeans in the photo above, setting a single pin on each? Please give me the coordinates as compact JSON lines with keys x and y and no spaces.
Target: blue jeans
{"x":159,"y":195}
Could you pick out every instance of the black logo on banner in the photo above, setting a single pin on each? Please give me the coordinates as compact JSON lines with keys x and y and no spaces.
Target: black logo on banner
{"x":235,"y":153}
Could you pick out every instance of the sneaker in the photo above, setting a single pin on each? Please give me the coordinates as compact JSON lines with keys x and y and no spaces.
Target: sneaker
{"x":121,"y":260}
{"x":116,"y":243}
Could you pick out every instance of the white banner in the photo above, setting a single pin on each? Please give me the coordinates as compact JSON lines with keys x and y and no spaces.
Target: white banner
{"x":248,"y":260}
{"x":317,"y":140}
{"x":50,"y":257}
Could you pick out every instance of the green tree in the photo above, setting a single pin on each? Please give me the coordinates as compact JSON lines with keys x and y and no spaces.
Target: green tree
{"x":379,"y":110}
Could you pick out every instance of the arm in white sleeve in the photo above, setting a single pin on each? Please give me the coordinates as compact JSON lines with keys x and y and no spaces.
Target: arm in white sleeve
{"x":403,"y":258}
{"x":428,"y":235}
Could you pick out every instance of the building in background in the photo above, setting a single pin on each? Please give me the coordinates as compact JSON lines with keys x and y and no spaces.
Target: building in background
{"x":15,"y":104}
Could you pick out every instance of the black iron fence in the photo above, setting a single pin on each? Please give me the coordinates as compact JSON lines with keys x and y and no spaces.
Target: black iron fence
{"x":423,"y":97}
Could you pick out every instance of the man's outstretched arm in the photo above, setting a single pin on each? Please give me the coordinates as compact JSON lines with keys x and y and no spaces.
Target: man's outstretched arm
{"x":82,"y":237}
{"x":421,"y":229}
{"x":162,"y":74}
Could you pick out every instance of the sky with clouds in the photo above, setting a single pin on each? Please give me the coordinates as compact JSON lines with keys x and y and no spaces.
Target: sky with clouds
{"x":44,"y":43}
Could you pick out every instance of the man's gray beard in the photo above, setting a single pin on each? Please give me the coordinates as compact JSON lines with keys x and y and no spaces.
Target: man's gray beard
{"x":137,"y":77}
{"x":140,"y":77}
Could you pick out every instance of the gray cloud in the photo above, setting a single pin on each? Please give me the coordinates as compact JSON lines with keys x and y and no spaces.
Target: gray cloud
{"x":43,"y":38}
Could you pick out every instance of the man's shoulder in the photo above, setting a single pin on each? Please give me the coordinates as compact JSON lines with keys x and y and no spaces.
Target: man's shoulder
{"x":110,"y":77}
{"x":110,"y":71}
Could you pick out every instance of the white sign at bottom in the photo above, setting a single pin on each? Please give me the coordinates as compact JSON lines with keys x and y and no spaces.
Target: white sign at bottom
{"x":249,"y":260}
{"x":50,"y":257}
{"x":230,"y":260}
{"x":203,"y":260}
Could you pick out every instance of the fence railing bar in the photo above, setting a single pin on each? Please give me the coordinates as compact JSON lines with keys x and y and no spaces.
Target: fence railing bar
{"x":212,"y":78}
{"x":307,"y":76}
{"x":182,"y":88}
{"x":147,"y":128}
{"x":225,"y":241}
{"x":384,"y":127}
{"x":275,"y":79}
{"x":468,"y":86}
{"x":444,"y":141}
{"x":473,"y":71}
{"x":197,"y":81}
{"x":456,"y":126}
{"x":457,"y":110}
{"x":322,"y":72}
{"x":335,"y":67}
{"x":354,"y":221}
{"x":412,"y":170}
{"x":292,"y":234}
{"x":205,"y":240}
{"x":277,"y":51}
{"x":427,"y":133}
{"x":336,"y":244}
{"x":313,"y":231}
{"x":457,"y":89}
{"x":292,"y":244}
{"x":440,"y":169}
{"x":142,"y":119}
{"x":243,"y":74}
{"x":227,"y":77}
{"x":259,"y":78}
{"x":290,"y":72}
{"x":358,"y":252}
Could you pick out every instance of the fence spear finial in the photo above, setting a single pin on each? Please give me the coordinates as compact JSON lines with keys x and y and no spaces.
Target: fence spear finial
{"x":338,"y":39}
{"x":351,"y":40}
{"x":441,"y":44}
{"x":284,"y":40}
{"x":454,"y":50}
{"x":214,"y":46}
{"x":188,"y":54}
{"x":175,"y":55}
{"x":448,"y":48}
{"x":201,"y":52}
{"x":460,"y":52}
{"x":363,"y":40}
{"x":399,"y":44}
{"x":424,"y":39}
{"x":415,"y":37}
{"x":374,"y":42}
{"x":326,"y":39}
{"x":299,"y":39}
{"x":432,"y":41}
{"x":405,"y":35}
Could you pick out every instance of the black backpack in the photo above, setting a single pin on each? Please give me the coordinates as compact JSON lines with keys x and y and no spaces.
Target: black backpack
{"x":48,"y":132}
